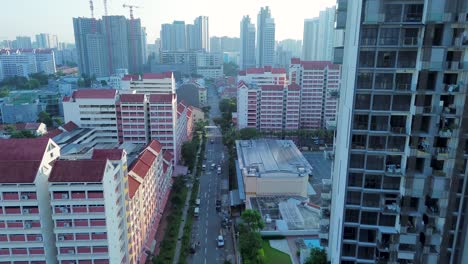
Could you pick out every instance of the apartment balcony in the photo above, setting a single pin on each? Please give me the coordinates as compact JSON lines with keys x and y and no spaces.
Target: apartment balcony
{"x":410,"y":41}
{"x":325,"y":196}
{"x":456,"y":65}
{"x":407,"y":255}
{"x":432,"y":65}
{"x":390,"y":208}
{"x":438,"y":187}
{"x":428,"y":110}
{"x":393,"y":170}
{"x":374,"y":18}
{"x":420,"y":152}
{"x":444,"y":153}
{"x":455,"y":88}
{"x":439,"y":17}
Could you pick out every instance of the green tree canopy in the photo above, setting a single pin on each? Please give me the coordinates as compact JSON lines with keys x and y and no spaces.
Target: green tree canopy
{"x":228,"y":105}
{"x":230,"y":69}
{"x":45,"y":118}
{"x":250,"y":245}
{"x":248,"y":133}
{"x":252,"y":219}
{"x":317,"y":256}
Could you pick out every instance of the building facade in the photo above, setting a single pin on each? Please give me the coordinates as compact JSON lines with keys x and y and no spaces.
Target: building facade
{"x":320,"y":36}
{"x":201,"y":33}
{"x":23,"y":62}
{"x":25,"y":212}
{"x":247,"y":45}
{"x":320,"y":83}
{"x":400,"y":177}
{"x":265,"y":38}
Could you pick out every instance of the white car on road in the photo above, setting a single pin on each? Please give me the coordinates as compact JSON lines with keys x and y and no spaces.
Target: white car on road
{"x":220,"y":241}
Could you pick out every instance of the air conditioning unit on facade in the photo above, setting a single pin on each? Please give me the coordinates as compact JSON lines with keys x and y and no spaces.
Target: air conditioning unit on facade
{"x":24,"y":197}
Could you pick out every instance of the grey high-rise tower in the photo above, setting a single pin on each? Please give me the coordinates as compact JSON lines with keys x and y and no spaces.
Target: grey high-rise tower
{"x":399,"y":190}
{"x":91,"y":47}
{"x":247,"y":45}
{"x":115,"y":31}
{"x":265,"y":38}
{"x":201,"y":33}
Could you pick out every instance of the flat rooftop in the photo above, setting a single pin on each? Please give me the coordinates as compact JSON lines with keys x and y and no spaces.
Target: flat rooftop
{"x":271,"y":158}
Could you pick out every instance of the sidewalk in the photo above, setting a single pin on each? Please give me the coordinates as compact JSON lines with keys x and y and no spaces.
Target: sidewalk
{"x":185,"y":211}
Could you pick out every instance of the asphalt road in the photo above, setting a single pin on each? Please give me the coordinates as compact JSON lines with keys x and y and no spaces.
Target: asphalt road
{"x":207,"y":226}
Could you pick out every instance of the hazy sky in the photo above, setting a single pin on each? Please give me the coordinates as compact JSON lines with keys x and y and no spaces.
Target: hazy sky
{"x":28,"y":17}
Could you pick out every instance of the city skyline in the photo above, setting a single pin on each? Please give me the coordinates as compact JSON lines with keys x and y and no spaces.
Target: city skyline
{"x":153,"y":14}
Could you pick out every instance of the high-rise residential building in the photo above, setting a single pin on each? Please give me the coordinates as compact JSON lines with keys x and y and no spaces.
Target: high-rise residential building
{"x":292,"y":45}
{"x":144,"y":109}
{"x":191,"y":39}
{"x":103,"y":46}
{"x":116,"y":34}
{"x":173,"y":36}
{"x":46,"y":41}
{"x":149,"y":185}
{"x":180,"y":41}
{"x":93,"y":58}
{"x":201,"y":33}
{"x":399,"y":190}
{"x":88,"y":198}
{"x":320,"y":83}
{"x":25,"y":216}
{"x":265,"y":100}
{"x":320,"y":36}
{"x":225,"y":44}
{"x":136,"y":45}
{"x":23,"y":62}
{"x":247,"y":44}
{"x":23,"y":42}
{"x":265,"y":38}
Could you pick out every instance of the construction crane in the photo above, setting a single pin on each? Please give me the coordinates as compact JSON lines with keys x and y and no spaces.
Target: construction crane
{"x":91,"y":7}
{"x":105,"y":7}
{"x":131,"y":9}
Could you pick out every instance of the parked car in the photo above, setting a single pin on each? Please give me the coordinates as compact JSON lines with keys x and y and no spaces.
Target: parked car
{"x":197,"y":202}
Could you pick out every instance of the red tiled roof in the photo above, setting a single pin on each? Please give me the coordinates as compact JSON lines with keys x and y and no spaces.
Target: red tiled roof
{"x":140,"y":168}
{"x":132,"y":186}
{"x":130,"y":77}
{"x":132,"y":98}
{"x":295,"y":60}
{"x":180,"y":107}
{"x":161,"y":98}
{"x":163,"y":75}
{"x":242,"y":73}
{"x":66,"y":99}
{"x":255,"y":70}
{"x":78,"y":171}
{"x":94,"y":94}
{"x":110,"y":154}
{"x":18,"y":171}
{"x":316,"y":65}
{"x":52,"y":133}
{"x":272,"y":87}
{"x":148,"y":157}
{"x":168,"y":156}
{"x":70,"y":126}
{"x":22,"y":126}
{"x":264,"y":69}
{"x":278,"y":70}
{"x":241,"y":83}
{"x":23,"y":149}
{"x":294,"y":87}
{"x":155,"y":145}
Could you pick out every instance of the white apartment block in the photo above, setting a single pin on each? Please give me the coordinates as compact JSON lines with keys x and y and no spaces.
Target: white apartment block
{"x":93,"y":108}
{"x":150,"y":83}
{"x":263,"y":76}
{"x":17,"y":63}
{"x":26,"y":228}
{"x":89,"y":208}
{"x":23,"y":62}
{"x":210,"y":65}
{"x":129,"y":117}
